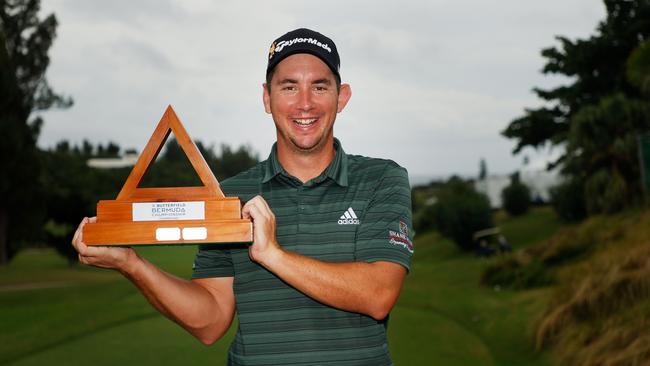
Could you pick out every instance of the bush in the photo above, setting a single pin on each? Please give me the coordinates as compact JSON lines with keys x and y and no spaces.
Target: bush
{"x":606,"y":192}
{"x":536,"y":266}
{"x":568,"y":200}
{"x":460,"y":211}
{"x":517,"y":271}
{"x":424,"y":219}
{"x":516,"y":198}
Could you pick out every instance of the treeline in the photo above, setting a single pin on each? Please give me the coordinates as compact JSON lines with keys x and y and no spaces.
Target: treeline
{"x":45,"y":193}
{"x":71,"y":188}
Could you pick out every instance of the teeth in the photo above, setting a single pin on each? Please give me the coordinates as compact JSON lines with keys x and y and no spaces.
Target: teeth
{"x":305,"y":121}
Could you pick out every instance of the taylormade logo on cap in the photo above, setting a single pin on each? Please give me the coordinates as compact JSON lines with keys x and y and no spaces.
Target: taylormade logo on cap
{"x":283,"y":44}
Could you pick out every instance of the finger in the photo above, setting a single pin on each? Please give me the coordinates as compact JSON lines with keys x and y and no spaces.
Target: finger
{"x":254,"y":212}
{"x":253,"y":203}
{"x":77,"y":239}
{"x":264,"y":203}
{"x":262,"y":206}
{"x":91,"y":251}
{"x":245,"y":211}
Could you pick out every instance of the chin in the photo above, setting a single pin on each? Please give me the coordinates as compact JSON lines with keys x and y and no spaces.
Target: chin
{"x":307,"y":148}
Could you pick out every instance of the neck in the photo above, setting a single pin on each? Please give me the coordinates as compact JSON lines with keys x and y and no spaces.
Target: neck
{"x":305,"y":166}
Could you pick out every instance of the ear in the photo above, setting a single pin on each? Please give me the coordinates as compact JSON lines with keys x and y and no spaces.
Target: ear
{"x":266,"y":98}
{"x":344,"y":96}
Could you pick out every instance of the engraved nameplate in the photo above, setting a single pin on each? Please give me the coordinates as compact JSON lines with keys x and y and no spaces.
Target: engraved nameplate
{"x":161,"y":211}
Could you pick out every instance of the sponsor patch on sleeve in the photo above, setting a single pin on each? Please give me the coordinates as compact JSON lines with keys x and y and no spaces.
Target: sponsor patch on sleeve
{"x":401,"y":238}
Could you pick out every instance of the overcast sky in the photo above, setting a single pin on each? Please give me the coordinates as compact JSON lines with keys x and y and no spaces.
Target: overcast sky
{"x":433,"y":82}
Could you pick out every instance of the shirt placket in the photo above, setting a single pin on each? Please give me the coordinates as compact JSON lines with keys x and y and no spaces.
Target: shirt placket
{"x":300,"y":193}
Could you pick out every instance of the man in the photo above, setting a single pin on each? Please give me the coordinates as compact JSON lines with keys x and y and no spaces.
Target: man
{"x":331,"y":244}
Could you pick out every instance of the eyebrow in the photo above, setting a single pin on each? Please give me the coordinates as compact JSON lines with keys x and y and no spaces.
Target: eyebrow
{"x":294,"y":81}
{"x":322,"y":81}
{"x":288,"y":81}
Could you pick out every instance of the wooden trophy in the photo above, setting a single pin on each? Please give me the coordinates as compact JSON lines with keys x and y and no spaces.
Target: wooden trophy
{"x":169,"y":215}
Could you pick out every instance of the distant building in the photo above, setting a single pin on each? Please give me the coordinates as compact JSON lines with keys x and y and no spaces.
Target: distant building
{"x":538,"y":181}
{"x":127,"y":160}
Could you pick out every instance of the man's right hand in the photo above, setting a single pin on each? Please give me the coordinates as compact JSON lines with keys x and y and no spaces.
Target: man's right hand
{"x":204,"y":307}
{"x":119,"y":258}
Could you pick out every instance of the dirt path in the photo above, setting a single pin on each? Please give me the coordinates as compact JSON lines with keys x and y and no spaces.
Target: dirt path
{"x":36,"y":285}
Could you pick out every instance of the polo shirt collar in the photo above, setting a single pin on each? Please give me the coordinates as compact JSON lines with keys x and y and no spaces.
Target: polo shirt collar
{"x":337,"y":170}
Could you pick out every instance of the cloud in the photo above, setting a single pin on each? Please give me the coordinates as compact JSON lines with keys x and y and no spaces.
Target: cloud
{"x":433,"y":82}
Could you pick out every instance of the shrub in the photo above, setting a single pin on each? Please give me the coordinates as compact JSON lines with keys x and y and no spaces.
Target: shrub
{"x":568,"y":200}
{"x":536,"y":266}
{"x":517,"y":270}
{"x":606,"y":192}
{"x":424,"y":219}
{"x":460,"y":211}
{"x":516,"y":198}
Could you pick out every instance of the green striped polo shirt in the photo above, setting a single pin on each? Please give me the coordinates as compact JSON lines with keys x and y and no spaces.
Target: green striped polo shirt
{"x":358,"y":209}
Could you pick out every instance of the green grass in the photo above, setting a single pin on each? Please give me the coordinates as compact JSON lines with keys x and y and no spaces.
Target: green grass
{"x":467,"y":324}
{"x":538,"y":224}
{"x":58,"y":315}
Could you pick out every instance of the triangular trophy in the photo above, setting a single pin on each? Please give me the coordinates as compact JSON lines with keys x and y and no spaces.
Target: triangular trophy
{"x":169,"y":215}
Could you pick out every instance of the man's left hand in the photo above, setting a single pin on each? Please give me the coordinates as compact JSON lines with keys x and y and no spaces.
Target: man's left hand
{"x":265,"y":245}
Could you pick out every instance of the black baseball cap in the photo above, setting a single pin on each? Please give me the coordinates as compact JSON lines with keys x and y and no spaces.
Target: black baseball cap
{"x":304,"y":40}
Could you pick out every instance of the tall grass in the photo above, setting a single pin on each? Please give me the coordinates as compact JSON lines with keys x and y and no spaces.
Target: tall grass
{"x":599,"y":312}
{"x":605,"y":320}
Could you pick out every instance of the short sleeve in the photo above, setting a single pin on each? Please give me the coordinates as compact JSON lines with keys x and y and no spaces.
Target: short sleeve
{"x":212,"y":261}
{"x":385,"y":232}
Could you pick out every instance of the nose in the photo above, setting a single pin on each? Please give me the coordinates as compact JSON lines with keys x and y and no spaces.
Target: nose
{"x":305,"y":101}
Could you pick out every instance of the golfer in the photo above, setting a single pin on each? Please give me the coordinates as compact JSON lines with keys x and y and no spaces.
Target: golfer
{"x":332,"y":235}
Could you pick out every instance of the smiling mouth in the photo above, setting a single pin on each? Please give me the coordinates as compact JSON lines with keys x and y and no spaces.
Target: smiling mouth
{"x":305,"y":121}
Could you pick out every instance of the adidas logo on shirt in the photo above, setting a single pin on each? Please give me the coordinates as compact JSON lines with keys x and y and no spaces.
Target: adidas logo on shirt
{"x":349,"y":218}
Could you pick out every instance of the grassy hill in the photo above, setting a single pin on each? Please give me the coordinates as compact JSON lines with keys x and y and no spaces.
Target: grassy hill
{"x":598,"y":311}
{"x":55,"y":314}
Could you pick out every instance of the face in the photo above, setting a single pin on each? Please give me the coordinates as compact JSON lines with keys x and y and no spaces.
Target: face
{"x":304,"y":102}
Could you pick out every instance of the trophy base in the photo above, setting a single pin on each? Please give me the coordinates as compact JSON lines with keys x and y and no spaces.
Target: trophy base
{"x":172,"y":232}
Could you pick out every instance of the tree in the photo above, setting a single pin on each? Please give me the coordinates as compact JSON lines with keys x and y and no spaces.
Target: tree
{"x":73,"y":189}
{"x":595,"y":115}
{"x":597,"y":66}
{"x":602,"y":151}
{"x":460,"y":211}
{"x":24,"y":44}
{"x":231,"y":161}
{"x":638,"y":68}
{"x":516,"y":197}
{"x":568,"y":200}
{"x":483,"y":172}
{"x":173,"y":169}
